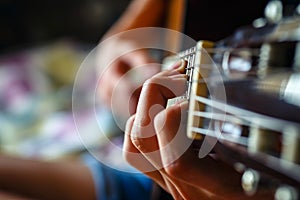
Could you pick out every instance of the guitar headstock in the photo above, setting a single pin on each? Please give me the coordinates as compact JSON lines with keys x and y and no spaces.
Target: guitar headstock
{"x":244,"y":103}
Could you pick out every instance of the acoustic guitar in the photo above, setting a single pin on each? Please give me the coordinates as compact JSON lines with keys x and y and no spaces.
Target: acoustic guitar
{"x":244,"y":101}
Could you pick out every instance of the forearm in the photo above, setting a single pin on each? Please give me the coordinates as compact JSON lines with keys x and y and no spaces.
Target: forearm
{"x":140,"y":13}
{"x":8,"y":196}
{"x":46,"y":180}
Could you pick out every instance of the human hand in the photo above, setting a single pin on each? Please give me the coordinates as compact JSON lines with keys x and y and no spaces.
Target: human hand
{"x":156,"y":144}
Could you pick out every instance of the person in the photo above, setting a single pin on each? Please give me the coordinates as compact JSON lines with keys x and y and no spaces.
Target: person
{"x":35,"y":179}
{"x":87,"y":178}
{"x":81,"y":180}
{"x":150,"y":129}
{"x":147,"y":13}
{"x":76,"y":178}
{"x":84,"y":178}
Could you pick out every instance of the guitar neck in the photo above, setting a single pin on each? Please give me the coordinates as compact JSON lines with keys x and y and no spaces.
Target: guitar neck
{"x":248,"y":100}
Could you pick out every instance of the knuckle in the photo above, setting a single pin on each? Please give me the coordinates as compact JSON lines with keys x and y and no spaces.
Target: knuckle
{"x":138,"y":143}
{"x":165,"y":121}
{"x":151,"y":81}
{"x":175,"y":169}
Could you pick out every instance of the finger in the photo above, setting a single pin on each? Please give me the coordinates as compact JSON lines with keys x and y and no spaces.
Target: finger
{"x":170,"y":126}
{"x":180,"y":66}
{"x":133,"y":156}
{"x":153,"y":99}
{"x":158,"y":89}
{"x":177,"y":155}
{"x":143,"y":135}
{"x":171,"y":146}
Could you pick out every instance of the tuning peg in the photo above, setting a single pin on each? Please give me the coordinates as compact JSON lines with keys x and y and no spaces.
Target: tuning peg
{"x":274,"y":11}
{"x":298,"y":9}
{"x":250,"y":180}
{"x":286,"y":193}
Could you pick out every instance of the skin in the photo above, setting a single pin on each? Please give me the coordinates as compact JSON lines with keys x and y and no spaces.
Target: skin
{"x":69,"y":179}
{"x":178,"y":174}
{"x":140,"y":13}
{"x":152,"y":128}
{"x":35,"y":179}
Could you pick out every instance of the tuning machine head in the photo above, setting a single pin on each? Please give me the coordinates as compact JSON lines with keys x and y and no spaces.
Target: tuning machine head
{"x":274,"y":11}
{"x":250,"y":180}
{"x":286,"y":192}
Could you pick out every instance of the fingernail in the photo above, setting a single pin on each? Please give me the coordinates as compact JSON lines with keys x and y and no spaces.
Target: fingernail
{"x":180,"y":66}
{"x":184,"y":104}
{"x":177,"y":64}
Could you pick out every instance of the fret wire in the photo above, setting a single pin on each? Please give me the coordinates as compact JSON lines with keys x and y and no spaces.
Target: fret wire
{"x":189,"y":71}
{"x":193,"y":60}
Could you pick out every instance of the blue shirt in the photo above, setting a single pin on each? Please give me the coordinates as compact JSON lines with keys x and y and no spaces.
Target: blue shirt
{"x":113,"y":184}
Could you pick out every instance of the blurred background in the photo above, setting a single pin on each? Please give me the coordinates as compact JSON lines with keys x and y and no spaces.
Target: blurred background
{"x":32,"y":22}
{"x":42,"y":44}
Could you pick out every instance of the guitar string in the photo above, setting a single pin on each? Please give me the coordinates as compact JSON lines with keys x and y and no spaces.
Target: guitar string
{"x":246,"y":52}
{"x":240,"y":51}
{"x":247,"y":117}
{"x":242,"y":140}
{"x":189,"y":55}
{"x":247,"y":120}
{"x":254,"y":73}
{"x":225,"y":118}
